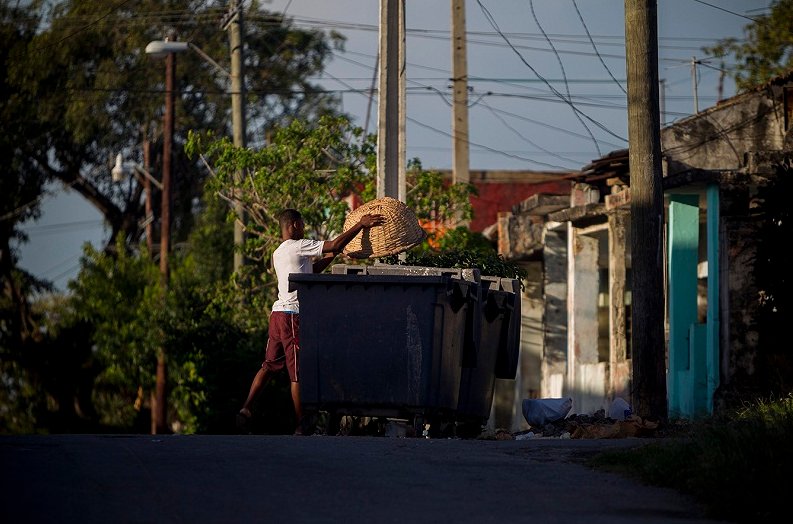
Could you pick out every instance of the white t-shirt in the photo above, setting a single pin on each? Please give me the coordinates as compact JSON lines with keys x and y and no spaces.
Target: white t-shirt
{"x":293,"y":256}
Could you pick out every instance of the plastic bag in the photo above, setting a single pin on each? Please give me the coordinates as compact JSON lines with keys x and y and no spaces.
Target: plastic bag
{"x":541,"y":411}
{"x":619,"y":409}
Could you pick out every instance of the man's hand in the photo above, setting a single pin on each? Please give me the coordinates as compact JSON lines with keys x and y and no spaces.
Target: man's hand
{"x":371,"y":220}
{"x":365,"y":222}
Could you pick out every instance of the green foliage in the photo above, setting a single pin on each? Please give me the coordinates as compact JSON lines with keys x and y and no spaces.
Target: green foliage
{"x":489,"y":263}
{"x":738,"y":466}
{"x":121,"y":298}
{"x":131,"y":318}
{"x":767,"y":50}
{"x":306,"y":167}
{"x":212,"y":354}
{"x":73,"y":94}
{"x":433,"y":200}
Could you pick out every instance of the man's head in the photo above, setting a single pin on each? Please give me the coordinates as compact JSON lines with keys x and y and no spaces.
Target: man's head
{"x":291,"y":222}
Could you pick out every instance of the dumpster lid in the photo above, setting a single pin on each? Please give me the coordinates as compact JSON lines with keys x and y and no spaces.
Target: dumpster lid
{"x":325,"y":278}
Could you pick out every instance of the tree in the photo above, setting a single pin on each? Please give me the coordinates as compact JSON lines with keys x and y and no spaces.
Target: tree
{"x":97,"y":94}
{"x":767,"y":50}
{"x":306,"y":167}
{"x":76,"y":89}
{"x":22,"y":181}
{"x":313,"y":168}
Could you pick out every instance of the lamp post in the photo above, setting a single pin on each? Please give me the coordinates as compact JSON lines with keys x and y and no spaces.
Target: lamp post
{"x":159,"y":48}
{"x":159,"y":407}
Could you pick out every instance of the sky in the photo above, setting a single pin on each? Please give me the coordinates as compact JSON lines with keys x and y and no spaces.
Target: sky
{"x":529,"y":63}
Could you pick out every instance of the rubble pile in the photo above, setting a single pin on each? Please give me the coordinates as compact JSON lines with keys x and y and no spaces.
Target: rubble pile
{"x":596,"y":426}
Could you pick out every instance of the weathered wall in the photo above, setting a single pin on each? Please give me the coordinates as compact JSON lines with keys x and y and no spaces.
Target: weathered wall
{"x":756,"y":357}
{"x":554,"y":362}
{"x":718,"y":137}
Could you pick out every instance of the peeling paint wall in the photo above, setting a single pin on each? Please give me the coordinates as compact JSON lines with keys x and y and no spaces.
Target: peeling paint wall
{"x":554,"y":361}
{"x":718,"y":138}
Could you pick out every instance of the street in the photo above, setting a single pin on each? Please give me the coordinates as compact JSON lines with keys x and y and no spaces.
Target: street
{"x":223,"y":478}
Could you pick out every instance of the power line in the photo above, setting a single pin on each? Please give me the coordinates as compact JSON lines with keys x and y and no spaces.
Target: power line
{"x":495,"y":26}
{"x":111,"y":11}
{"x":725,"y":10}
{"x":63,"y":227}
{"x":564,"y":76}
{"x":550,"y":126}
{"x":522,"y":137}
{"x":488,"y":148}
{"x":422,"y":124}
{"x":596,"y":49}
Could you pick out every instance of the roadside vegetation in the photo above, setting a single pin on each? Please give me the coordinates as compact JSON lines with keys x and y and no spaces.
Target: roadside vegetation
{"x":737,"y":465}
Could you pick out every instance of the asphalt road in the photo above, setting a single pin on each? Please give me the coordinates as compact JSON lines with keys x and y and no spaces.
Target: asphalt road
{"x":208,"y":479}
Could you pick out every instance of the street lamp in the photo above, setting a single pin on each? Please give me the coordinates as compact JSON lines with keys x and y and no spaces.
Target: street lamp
{"x":119,"y":173}
{"x":121,"y":169}
{"x":161,"y":49}
{"x":166,"y":48}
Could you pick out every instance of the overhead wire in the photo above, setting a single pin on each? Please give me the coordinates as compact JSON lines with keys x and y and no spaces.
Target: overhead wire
{"x":83,"y":28}
{"x":495,"y":26}
{"x":440,"y":131}
{"x":522,"y":137}
{"x":725,"y":10}
{"x":594,"y":47}
{"x":564,"y":76}
{"x":496,"y":94}
{"x":488,"y":148}
{"x":63,"y":227}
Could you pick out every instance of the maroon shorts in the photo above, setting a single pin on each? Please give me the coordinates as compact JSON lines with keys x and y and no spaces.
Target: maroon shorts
{"x":283,"y":343}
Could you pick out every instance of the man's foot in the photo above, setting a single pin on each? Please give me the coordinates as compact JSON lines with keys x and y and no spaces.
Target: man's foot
{"x":298,"y":431}
{"x":243,"y":418}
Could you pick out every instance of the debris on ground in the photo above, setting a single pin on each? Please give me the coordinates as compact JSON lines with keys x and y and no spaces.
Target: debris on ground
{"x":595,"y":426}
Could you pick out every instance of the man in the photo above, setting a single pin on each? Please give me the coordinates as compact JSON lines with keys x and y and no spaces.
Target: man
{"x":295,"y":255}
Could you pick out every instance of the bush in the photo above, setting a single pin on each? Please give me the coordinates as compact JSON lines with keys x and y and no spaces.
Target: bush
{"x":738,"y":465}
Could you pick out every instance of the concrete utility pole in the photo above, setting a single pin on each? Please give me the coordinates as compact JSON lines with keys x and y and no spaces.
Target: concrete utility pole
{"x":694,"y":82}
{"x":391,"y":102}
{"x":238,"y":113}
{"x":648,"y":389}
{"x":460,"y":173}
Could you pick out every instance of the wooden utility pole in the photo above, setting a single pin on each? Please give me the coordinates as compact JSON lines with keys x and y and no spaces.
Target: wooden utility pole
{"x":160,"y":407}
{"x":391,"y":102}
{"x":460,"y":172}
{"x":648,"y":390}
{"x":237,"y":115}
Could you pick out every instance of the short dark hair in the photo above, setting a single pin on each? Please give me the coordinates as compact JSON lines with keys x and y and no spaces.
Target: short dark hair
{"x":288,"y":216}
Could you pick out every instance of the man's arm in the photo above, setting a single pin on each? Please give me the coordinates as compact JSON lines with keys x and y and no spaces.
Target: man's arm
{"x":320,"y":265}
{"x":337,"y":244}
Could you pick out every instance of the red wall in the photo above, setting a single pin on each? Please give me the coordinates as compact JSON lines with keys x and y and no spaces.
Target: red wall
{"x":501,"y":196}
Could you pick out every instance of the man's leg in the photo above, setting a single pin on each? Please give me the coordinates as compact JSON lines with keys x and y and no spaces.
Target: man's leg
{"x":256,"y":386}
{"x":295,"y":387}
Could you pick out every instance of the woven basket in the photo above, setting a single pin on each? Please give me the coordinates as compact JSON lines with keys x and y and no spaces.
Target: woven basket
{"x":400,"y":232}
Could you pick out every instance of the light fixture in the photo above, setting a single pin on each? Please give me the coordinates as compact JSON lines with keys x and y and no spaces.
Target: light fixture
{"x":120,"y":170}
{"x":162,"y":48}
